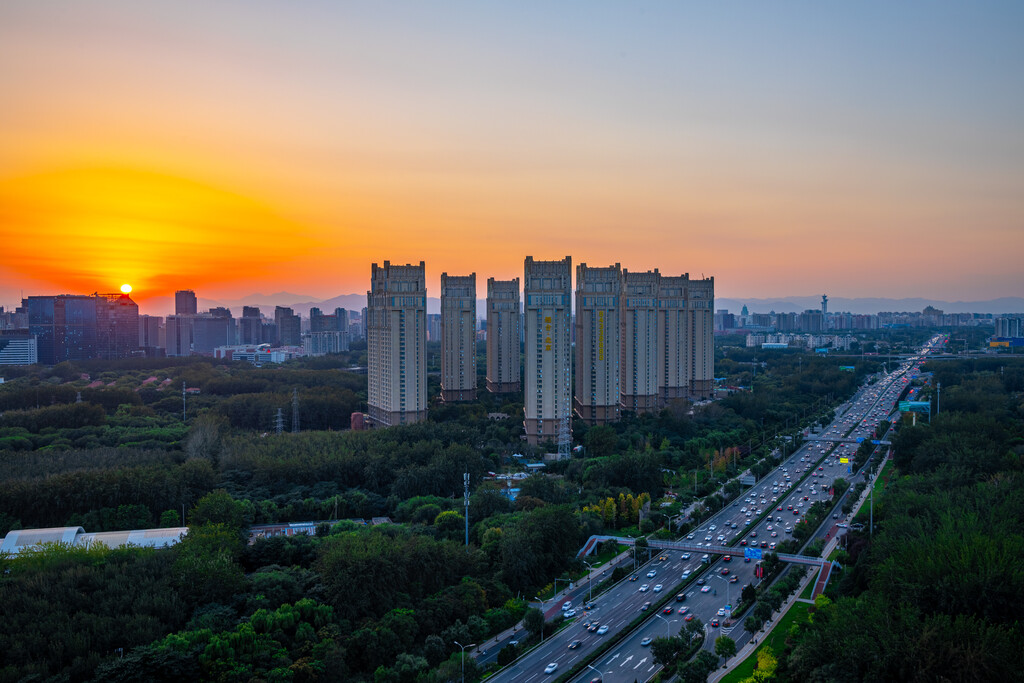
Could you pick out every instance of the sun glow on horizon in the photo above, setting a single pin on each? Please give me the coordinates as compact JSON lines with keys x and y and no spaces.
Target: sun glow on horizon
{"x":159,"y":231}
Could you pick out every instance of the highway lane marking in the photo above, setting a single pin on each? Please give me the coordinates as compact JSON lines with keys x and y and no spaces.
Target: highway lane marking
{"x":638,"y":664}
{"x":626,"y":660}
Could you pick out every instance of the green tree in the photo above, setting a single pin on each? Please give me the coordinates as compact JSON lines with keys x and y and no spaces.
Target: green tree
{"x":601,"y":441}
{"x":666,"y":650}
{"x":205,"y":565}
{"x":725,"y":647}
{"x":450,"y":524}
{"x":533,"y":620}
{"x":170,"y":518}
{"x":218,"y":507}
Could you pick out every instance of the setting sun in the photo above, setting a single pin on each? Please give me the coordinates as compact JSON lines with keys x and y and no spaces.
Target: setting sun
{"x":127,"y":289}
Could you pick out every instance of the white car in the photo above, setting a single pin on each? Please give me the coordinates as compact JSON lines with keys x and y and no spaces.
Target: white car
{"x":644,"y":588}
{"x":651,"y":574}
{"x":686,"y":556}
{"x":705,"y":589}
{"x":603,"y":630}
{"x":569,"y":613}
{"x":551,"y":668}
{"x":657,"y":588}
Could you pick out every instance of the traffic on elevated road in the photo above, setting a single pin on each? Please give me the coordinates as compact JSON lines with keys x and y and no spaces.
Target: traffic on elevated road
{"x":703,"y":577}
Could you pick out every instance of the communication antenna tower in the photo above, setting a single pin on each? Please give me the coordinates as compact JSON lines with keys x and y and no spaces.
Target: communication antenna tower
{"x":295,"y":411}
{"x":465,"y":497}
{"x":279,"y":422}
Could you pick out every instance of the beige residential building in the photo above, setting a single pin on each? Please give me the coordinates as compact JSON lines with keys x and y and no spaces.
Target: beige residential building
{"x":458,"y":337}
{"x":700,"y":303}
{"x":503,"y":334}
{"x":396,"y":335}
{"x":673,"y":342}
{"x":597,"y":343}
{"x":547,"y":286}
{"x":639,"y":322}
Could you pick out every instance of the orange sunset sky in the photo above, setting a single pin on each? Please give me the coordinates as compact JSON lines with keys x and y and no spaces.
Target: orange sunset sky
{"x":241,"y":147}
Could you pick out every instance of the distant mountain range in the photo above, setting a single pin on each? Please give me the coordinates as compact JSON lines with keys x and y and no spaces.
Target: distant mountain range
{"x":791,"y":304}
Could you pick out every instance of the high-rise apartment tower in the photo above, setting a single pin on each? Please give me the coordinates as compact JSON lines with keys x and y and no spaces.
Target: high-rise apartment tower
{"x":639,"y":364}
{"x":700,"y":302}
{"x":458,"y":337}
{"x":597,"y":343}
{"x":673,"y":343}
{"x":503,"y":335}
{"x":396,"y":330}
{"x":548,"y":383}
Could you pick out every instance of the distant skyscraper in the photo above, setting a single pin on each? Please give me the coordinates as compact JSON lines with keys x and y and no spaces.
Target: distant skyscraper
{"x":548,"y":382}
{"x":397,"y":344}
{"x":700,"y":302}
{"x":639,"y":364}
{"x":503,"y":336}
{"x":597,"y":343}
{"x":289,"y":326}
{"x":458,"y":337}
{"x":213,"y":329}
{"x":178,"y":335}
{"x":75,"y":327}
{"x":185,"y":302}
{"x":673,"y":349}
{"x":250,"y":326}
{"x":151,"y":331}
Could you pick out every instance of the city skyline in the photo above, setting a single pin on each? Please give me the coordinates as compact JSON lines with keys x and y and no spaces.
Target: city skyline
{"x":786,"y":150}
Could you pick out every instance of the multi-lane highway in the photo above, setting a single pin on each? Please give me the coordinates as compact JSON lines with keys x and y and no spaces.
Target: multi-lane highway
{"x":704,"y":587}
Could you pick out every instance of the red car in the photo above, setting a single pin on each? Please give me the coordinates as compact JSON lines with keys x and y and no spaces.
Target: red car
{"x":727,"y":558}
{"x":725,"y":571}
{"x":689,"y":617}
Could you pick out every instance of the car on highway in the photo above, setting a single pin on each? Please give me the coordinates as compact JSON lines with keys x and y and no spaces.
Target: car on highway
{"x":646,"y":606}
{"x":603,"y":630}
{"x":569,"y":613}
{"x":727,"y":558}
{"x":644,"y":588}
{"x":714,"y":623}
{"x":551,"y":668}
{"x":733,"y":578}
{"x":686,"y":556}
{"x":575,"y":644}
{"x":689,"y":617}
{"x":680,"y":597}
{"x":646,"y":641}
{"x":633,"y":577}
{"x":667,"y":610}
{"x":594,"y":625}
{"x":682,"y":610}
{"x":701,"y":581}
{"x":725,"y":571}
{"x":705,"y":589}
{"x":651,"y":574}
{"x":657,"y":588}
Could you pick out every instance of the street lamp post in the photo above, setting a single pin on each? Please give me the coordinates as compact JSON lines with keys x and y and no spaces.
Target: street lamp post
{"x":667,"y":622}
{"x":544,"y":617}
{"x":464,"y":656}
{"x":599,"y":673}
{"x":728,"y":590}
